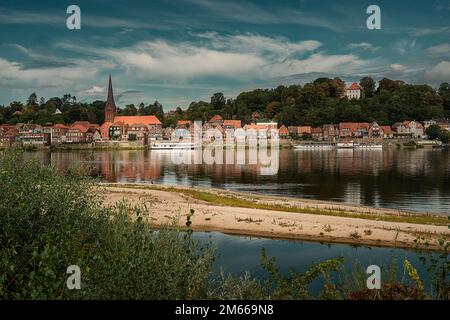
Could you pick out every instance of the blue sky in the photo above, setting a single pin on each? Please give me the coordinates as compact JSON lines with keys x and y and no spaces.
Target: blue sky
{"x":180,"y":51}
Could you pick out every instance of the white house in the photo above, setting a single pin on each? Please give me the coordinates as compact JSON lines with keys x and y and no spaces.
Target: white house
{"x":354,"y":91}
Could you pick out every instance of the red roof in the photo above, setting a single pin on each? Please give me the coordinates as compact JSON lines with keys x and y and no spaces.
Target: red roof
{"x":354,"y":86}
{"x":232,"y":123}
{"x":183,"y":122}
{"x":283,"y":130}
{"x":79,"y":127}
{"x":130,"y":120}
{"x":216,"y":118}
{"x":386,"y":129}
{"x":60,"y":126}
{"x":303,"y":129}
{"x":354,"y":126}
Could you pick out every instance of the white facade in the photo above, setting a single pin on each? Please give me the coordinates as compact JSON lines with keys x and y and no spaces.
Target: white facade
{"x":354,"y":91}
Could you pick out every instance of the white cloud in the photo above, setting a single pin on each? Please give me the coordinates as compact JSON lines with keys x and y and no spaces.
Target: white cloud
{"x":439,"y":73}
{"x":254,"y":43}
{"x":363,"y":46}
{"x":440,"y":49}
{"x":420,"y":32}
{"x":397,"y":67}
{"x":242,"y":57}
{"x":93,"y":91}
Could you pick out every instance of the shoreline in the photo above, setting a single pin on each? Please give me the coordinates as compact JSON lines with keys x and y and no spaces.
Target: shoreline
{"x":278,"y":217}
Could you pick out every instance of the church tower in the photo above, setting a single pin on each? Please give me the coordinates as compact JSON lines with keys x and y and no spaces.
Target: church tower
{"x":110,"y":107}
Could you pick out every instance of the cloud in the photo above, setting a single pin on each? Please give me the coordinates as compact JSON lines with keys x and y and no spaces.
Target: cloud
{"x":403,"y":46}
{"x":363,"y":46}
{"x":93,"y":91}
{"x":247,"y":12}
{"x":439,"y":73}
{"x":242,"y":57}
{"x":397,"y":67}
{"x":58,"y":19}
{"x":420,"y":32}
{"x":440,"y":49}
{"x":257,"y":44}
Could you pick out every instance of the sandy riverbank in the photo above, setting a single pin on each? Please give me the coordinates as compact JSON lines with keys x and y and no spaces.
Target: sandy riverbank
{"x":344,"y":223}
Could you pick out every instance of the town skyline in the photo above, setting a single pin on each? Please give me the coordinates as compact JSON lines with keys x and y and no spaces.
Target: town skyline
{"x":190,"y":49}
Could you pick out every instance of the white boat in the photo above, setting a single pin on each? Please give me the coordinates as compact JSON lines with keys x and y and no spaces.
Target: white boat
{"x":316,"y":146}
{"x":370,"y":146}
{"x":175,"y":146}
{"x":346,"y":145}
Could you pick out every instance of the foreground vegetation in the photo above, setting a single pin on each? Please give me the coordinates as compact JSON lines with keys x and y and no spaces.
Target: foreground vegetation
{"x":51,"y":220}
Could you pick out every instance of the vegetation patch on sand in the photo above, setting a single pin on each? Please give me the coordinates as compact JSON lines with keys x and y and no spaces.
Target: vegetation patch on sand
{"x":234,"y":201}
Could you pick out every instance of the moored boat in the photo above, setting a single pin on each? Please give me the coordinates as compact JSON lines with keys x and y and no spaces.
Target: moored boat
{"x":175,"y":146}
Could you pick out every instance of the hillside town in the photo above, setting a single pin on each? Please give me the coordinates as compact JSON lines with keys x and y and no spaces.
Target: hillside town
{"x":148,"y":129}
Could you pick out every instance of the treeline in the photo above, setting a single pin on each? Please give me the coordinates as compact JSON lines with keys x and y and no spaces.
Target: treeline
{"x":319,"y":102}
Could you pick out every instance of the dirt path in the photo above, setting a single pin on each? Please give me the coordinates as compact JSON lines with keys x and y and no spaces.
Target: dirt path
{"x":165,"y":206}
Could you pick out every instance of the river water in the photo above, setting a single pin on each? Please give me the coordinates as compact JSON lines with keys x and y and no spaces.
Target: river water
{"x":402,"y":179}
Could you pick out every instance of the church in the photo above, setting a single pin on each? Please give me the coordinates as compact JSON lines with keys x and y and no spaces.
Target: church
{"x":128,"y":128}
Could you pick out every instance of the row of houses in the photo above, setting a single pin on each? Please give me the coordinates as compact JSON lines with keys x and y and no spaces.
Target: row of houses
{"x":145,"y":129}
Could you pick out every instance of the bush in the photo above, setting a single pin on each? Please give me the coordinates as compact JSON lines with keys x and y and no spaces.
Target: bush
{"x":49,"y":221}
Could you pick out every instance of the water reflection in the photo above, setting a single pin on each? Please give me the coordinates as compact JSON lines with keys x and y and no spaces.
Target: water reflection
{"x":403,"y":179}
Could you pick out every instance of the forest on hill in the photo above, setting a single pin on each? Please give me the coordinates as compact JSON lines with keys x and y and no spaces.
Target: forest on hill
{"x":316,"y":103}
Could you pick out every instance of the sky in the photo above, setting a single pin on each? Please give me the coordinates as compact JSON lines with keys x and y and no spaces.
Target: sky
{"x":180,"y":51}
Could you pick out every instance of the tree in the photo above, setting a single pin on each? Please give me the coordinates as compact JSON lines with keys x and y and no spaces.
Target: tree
{"x":444,"y":136}
{"x":218,"y":101}
{"x":368,"y":85}
{"x":389,"y":85}
{"x":129,"y":110}
{"x":433,"y":132}
{"x":32,"y":100}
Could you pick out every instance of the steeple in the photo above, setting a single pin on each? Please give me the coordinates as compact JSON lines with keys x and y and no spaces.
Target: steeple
{"x":110,"y":107}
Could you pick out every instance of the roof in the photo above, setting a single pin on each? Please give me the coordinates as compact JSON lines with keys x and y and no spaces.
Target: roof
{"x":183,"y":122}
{"x":386,"y":129}
{"x":60,"y":126}
{"x":256,"y":127}
{"x":131,"y":120}
{"x":110,"y":104}
{"x":79,"y":127}
{"x":354,"y":86}
{"x":354,"y":126}
{"x":232,"y":123}
{"x":216,"y":118}
{"x":304,"y":129}
{"x":283,"y":129}
{"x":316,"y":130}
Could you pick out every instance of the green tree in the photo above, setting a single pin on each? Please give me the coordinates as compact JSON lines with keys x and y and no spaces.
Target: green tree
{"x":32,"y":100}
{"x":218,"y":101}
{"x":368,"y":86}
{"x":433,"y":132}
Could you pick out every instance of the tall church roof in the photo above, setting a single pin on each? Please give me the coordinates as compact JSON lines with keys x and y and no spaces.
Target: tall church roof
{"x":110,"y":104}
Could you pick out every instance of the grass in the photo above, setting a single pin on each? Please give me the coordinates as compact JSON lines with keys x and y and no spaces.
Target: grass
{"x":232,"y":201}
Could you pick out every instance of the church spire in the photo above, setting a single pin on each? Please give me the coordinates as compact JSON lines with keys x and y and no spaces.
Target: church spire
{"x":110,"y":107}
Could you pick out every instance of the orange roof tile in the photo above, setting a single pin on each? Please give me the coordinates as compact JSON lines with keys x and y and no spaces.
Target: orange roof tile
{"x":215,"y":118}
{"x":354,"y":86}
{"x":283,"y":130}
{"x":304,"y":129}
{"x":232,"y":123}
{"x":130,"y":120}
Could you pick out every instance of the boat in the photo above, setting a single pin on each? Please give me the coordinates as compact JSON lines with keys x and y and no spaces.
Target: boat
{"x":314,"y":146}
{"x":175,"y":146}
{"x":370,"y":146}
{"x":346,"y":145}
